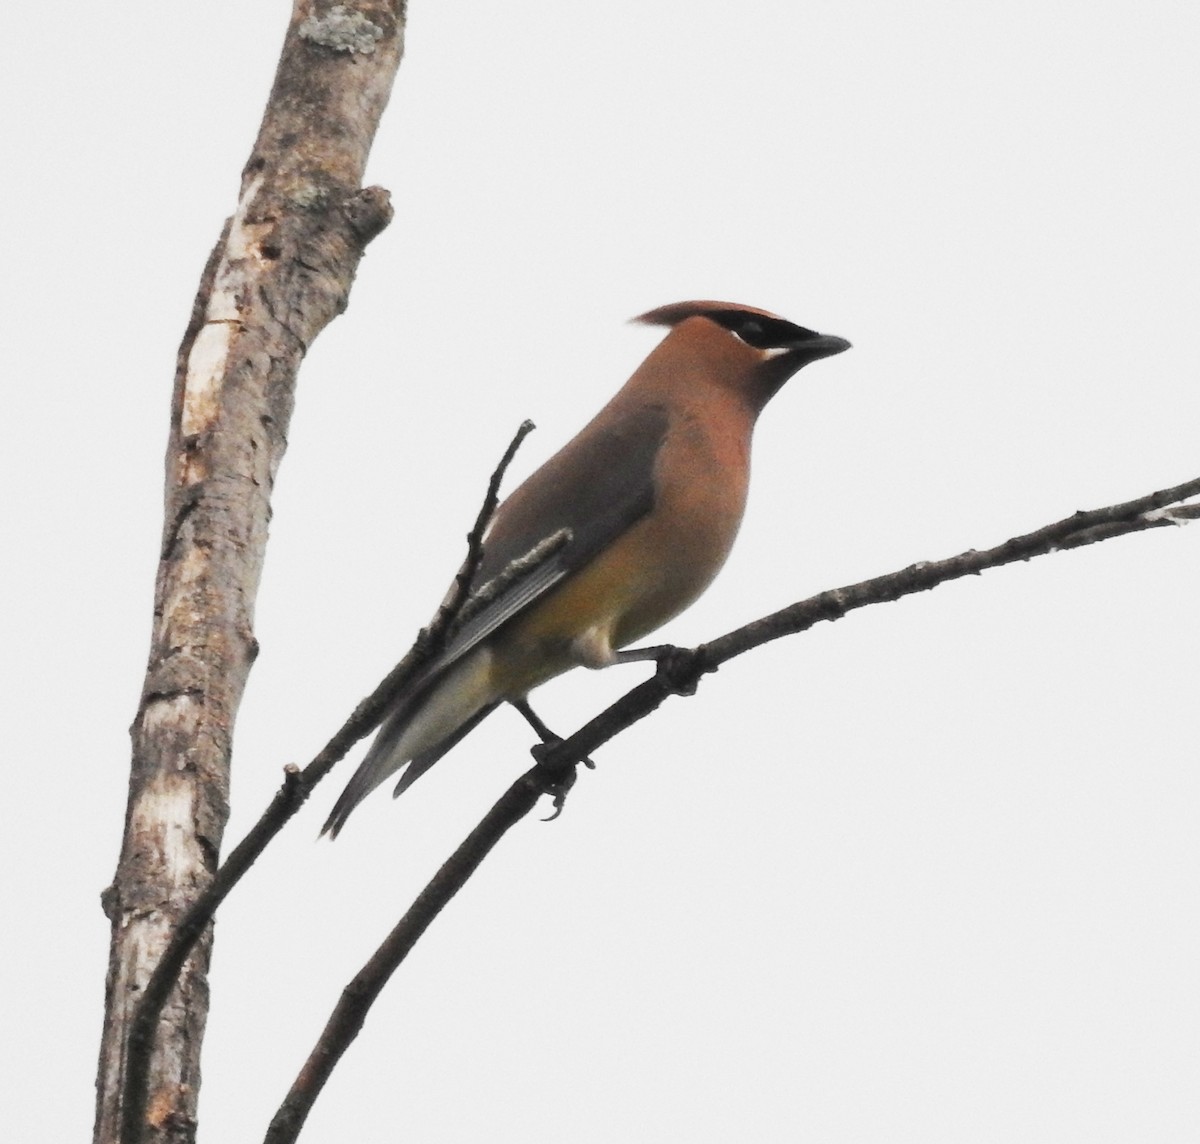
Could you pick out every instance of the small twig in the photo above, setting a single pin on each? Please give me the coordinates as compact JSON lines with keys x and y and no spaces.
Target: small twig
{"x":1074,"y":531}
{"x":512,"y":572}
{"x":451,"y":609}
{"x":291,"y":796}
{"x":679,"y":673}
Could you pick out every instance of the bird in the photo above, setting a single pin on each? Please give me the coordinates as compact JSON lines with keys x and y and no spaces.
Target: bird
{"x":646,"y":501}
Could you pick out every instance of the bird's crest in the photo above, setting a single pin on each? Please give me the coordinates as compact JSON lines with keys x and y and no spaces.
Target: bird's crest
{"x":676,"y":312}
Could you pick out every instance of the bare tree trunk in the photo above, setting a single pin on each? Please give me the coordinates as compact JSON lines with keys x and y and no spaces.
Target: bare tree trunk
{"x":280,"y":272}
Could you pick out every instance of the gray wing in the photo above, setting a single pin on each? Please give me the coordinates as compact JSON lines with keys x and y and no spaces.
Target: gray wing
{"x":597,"y":486}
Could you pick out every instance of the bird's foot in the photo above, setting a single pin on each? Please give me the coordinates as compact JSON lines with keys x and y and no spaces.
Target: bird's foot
{"x":678,"y":667}
{"x":548,"y":738}
{"x":561,"y":780}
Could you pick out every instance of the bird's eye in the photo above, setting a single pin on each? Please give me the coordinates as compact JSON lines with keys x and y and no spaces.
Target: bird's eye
{"x":762,"y":331}
{"x":751,"y":332}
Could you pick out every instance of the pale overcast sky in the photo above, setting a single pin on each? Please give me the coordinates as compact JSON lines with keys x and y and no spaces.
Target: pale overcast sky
{"x":928,"y":874}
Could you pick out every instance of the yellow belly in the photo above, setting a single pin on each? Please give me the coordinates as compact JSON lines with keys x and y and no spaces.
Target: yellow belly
{"x":647,"y":577}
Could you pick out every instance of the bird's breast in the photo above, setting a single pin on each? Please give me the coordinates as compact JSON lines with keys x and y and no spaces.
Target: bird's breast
{"x":650,"y":573}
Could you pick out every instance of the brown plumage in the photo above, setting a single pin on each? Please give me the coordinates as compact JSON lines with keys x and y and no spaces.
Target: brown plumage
{"x":652,"y":489}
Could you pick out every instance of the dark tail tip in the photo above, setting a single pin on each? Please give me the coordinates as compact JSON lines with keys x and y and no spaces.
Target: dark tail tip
{"x":346,"y":802}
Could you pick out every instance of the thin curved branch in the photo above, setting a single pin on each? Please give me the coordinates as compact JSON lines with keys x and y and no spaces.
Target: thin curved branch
{"x":679,"y":673}
{"x":291,"y":796}
{"x":358,"y":997}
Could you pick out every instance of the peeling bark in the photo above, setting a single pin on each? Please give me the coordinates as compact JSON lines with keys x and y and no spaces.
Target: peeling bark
{"x":280,"y":272}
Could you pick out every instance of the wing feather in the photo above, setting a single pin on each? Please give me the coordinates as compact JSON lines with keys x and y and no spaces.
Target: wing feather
{"x":597,"y":486}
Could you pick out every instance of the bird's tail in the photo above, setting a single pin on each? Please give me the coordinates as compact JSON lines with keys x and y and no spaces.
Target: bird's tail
{"x":420,"y":729}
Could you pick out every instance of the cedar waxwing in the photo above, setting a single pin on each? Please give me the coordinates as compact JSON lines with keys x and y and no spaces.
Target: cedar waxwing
{"x":652,"y":491}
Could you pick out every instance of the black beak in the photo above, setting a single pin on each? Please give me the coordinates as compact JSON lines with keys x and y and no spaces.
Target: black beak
{"x":796,"y":354}
{"x":816,"y":347}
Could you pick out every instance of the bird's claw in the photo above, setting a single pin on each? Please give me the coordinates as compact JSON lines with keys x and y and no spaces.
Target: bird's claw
{"x":560,"y":789}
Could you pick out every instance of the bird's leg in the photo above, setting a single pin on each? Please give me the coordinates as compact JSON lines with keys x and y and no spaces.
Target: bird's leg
{"x":676,"y":665}
{"x":535,"y":721}
{"x":641,"y":654}
{"x":549,"y":739}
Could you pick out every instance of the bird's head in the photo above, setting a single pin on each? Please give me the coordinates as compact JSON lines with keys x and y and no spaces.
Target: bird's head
{"x":757,"y":351}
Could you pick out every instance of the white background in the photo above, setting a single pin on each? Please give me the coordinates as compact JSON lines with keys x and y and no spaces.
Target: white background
{"x":928,"y":874}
